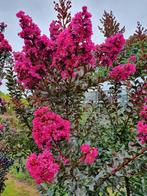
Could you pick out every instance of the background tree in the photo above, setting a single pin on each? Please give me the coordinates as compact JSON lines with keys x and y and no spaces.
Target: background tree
{"x":110,"y":26}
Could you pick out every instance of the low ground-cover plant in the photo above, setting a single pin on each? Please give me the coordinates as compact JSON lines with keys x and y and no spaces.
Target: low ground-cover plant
{"x":78,"y":149}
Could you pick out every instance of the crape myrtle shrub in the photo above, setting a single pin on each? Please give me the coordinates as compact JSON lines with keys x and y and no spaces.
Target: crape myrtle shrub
{"x":78,"y":150}
{"x":5,"y":160}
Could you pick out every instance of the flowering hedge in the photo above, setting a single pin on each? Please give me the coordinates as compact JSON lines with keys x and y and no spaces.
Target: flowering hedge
{"x":78,"y":148}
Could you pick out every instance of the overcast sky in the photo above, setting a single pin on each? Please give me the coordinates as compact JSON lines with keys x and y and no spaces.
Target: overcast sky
{"x":128,"y":12}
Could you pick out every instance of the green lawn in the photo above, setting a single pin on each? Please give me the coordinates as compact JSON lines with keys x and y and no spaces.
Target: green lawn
{"x":14,"y":187}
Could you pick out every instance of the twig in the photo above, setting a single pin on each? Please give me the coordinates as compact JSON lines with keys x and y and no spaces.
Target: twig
{"x":120,"y":167}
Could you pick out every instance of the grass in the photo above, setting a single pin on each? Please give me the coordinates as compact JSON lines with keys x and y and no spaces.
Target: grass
{"x":21,"y":176}
{"x":19,"y":184}
{"x":12,"y":189}
{"x":15,"y":187}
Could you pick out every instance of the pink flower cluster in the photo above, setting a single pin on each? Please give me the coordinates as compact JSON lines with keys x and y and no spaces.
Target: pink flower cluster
{"x":107,"y":52}
{"x":90,"y":154}
{"x":4,"y":45}
{"x":142,"y":131}
{"x":132,"y":59}
{"x":122,"y":72}
{"x":49,"y":127}
{"x":31,"y":63}
{"x":142,"y":125}
{"x":67,"y":51}
{"x":143,"y":112}
{"x":55,"y":29}
{"x":74,"y":46}
{"x":42,"y":167}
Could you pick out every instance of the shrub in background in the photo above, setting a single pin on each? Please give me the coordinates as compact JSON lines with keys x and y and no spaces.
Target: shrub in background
{"x":5,"y":161}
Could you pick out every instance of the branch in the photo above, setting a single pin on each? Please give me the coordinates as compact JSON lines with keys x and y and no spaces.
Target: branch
{"x":127,"y":185}
{"x":120,"y":167}
{"x":106,"y":105}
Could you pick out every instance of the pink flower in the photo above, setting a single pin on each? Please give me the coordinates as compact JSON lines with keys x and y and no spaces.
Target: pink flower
{"x":49,"y":127}
{"x":1,"y":127}
{"x":89,"y":159}
{"x":42,"y":167}
{"x":85,"y":148}
{"x":132,"y":59}
{"x":90,"y":154}
{"x":107,"y":52}
{"x":55,"y":29}
{"x":4,"y":45}
{"x":145,"y":100}
{"x":143,"y":112}
{"x":94,"y":151}
{"x":122,"y":72}
{"x":142,"y":131}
